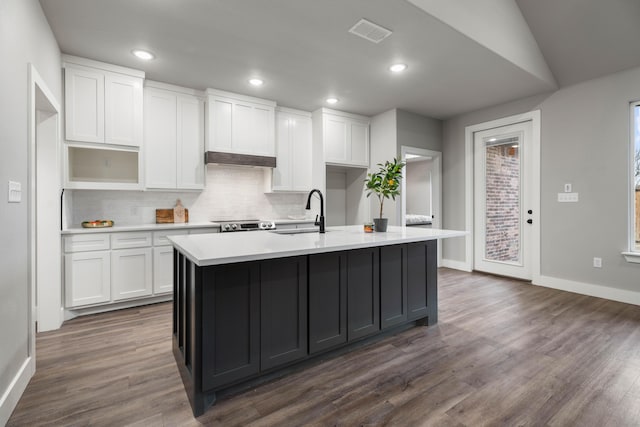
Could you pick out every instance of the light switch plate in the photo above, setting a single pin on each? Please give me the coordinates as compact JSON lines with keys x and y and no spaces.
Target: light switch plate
{"x":15,"y":192}
{"x":568,"y":197}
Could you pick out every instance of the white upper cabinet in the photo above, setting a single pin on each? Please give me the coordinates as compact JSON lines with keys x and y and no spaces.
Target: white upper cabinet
{"x":240,"y":124}
{"x":174,"y":137}
{"x":345,"y":137}
{"x":103,"y":103}
{"x":293,"y":151}
{"x":123,"y":110}
{"x":84,"y":105}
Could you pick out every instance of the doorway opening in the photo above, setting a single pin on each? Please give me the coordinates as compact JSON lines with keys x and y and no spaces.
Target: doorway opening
{"x":44,"y":207}
{"x":421,"y":190}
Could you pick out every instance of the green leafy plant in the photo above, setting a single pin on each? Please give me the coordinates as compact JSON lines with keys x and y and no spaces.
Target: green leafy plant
{"x":386,"y":182}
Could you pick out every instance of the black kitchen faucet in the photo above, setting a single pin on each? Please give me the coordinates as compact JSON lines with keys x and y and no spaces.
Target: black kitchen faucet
{"x":319,"y":222}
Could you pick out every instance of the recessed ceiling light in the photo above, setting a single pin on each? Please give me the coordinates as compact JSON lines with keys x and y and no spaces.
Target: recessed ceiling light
{"x":143,"y":54}
{"x":398,"y":68}
{"x":332,"y":100}
{"x":256,"y":82}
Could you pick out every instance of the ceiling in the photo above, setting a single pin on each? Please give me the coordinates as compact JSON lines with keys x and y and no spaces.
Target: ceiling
{"x":304,"y":53}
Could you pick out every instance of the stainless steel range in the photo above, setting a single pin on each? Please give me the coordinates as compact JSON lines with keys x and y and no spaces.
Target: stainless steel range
{"x":246,"y":225}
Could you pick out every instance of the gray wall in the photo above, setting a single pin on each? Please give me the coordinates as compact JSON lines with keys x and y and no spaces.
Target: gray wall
{"x":25,"y":38}
{"x":383,"y":147}
{"x":584,"y":141}
{"x":418,"y":131}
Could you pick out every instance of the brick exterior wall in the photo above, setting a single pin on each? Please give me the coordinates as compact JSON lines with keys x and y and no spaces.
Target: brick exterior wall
{"x":502,"y":203}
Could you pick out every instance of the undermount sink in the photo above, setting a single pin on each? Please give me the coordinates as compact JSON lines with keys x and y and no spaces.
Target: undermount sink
{"x":295,"y":231}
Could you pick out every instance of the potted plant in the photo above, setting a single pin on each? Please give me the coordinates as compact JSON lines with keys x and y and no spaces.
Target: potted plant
{"x":384,"y":184}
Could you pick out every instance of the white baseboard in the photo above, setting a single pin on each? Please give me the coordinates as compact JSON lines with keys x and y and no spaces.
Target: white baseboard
{"x":614,"y":294}
{"x":456,"y":265}
{"x":73,"y":313}
{"x":14,"y":391}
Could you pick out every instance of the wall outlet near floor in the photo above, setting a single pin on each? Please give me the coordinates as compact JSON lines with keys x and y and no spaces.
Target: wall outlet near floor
{"x":597,"y":262}
{"x":567,"y":197}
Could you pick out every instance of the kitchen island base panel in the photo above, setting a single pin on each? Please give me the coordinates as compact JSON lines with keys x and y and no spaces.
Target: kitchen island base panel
{"x":201,"y":401}
{"x":226,"y":320}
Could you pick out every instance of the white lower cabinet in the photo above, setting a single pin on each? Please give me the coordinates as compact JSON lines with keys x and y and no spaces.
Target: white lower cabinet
{"x":162,"y":269}
{"x":87,"y":278}
{"x":107,"y":268}
{"x":131,"y":271}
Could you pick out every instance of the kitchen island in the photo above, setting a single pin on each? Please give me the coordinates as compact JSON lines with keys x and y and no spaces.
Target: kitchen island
{"x":252,"y":306}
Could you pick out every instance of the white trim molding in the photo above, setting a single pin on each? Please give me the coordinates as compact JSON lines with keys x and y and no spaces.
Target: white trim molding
{"x":633,"y":257}
{"x":534,"y":117}
{"x":456,"y":265}
{"x":599,"y":291}
{"x":18,"y":385}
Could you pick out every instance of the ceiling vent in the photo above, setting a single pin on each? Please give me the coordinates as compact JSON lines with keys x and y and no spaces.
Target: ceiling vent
{"x":370,"y":31}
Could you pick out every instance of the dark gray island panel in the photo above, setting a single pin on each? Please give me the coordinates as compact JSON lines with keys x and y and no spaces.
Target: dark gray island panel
{"x":231,"y":315}
{"x":327,"y":301}
{"x":363,"y":292}
{"x":239,"y":324}
{"x":283,"y":311}
{"x":393,"y":285}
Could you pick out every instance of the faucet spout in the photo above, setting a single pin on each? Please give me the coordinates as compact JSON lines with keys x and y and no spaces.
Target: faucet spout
{"x":320,"y":221}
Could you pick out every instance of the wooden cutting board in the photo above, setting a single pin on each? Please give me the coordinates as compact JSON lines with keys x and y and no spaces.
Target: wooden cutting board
{"x":165,"y":216}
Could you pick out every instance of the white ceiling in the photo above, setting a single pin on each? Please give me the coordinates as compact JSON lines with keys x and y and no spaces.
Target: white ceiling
{"x":303,"y":51}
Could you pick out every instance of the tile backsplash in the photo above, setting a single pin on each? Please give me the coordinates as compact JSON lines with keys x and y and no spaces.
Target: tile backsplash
{"x":232,"y":192}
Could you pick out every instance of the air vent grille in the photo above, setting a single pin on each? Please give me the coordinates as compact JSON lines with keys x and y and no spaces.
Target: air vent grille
{"x":370,"y":31}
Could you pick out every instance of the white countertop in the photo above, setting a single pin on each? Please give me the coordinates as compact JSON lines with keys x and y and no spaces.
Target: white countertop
{"x":226,"y":248}
{"x":172,"y":226}
{"x":141,"y":227}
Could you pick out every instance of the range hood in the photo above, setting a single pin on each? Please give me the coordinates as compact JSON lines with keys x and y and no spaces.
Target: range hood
{"x":239,"y":159}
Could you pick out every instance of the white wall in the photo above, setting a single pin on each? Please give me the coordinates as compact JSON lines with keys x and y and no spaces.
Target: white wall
{"x":232,"y":192}
{"x":585,"y":142}
{"x":25,"y":37}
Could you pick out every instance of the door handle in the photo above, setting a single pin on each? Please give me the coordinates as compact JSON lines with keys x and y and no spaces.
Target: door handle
{"x":529,"y":221}
{"x":529,"y":211}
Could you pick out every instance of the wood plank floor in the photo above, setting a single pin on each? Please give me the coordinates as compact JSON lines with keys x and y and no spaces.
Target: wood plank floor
{"x":504,"y":353}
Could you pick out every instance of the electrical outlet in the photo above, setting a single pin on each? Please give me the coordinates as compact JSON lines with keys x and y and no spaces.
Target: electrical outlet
{"x":597,"y":262}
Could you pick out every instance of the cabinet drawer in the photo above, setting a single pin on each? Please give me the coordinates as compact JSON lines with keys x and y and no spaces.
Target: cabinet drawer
{"x":130,"y":240}
{"x":204,"y":230}
{"x":86,"y":242}
{"x":160,"y":237}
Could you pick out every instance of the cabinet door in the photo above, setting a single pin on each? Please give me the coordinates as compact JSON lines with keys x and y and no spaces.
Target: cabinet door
{"x":284,"y":161}
{"x":283,"y":311}
{"x":363,"y":295}
{"x":190,"y":143}
{"x":301,"y":154}
{"x":84,"y":105}
{"x":327,"y":301}
{"x":231,"y":310}
{"x":422,"y":281}
{"x":87,"y":278}
{"x":220,"y":124}
{"x":123,"y":110}
{"x":393,"y":285}
{"x":263,"y":138}
{"x":359,"y":147}
{"x":335,"y":139}
{"x":131,"y":271}
{"x":160,"y":110}
{"x":162,"y":269}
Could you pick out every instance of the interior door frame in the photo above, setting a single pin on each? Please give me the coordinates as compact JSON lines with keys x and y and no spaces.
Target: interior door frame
{"x":436,"y":190}
{"x":534,"y":117}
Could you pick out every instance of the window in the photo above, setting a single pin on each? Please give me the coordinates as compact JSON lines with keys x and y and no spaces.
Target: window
{"x":634,"y":246}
